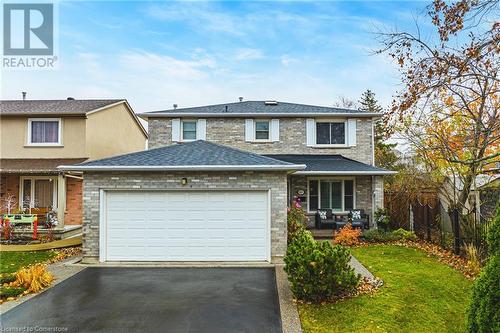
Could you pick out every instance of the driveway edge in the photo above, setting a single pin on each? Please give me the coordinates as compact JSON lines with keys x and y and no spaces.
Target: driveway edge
{"x":61,"y":270}
{"x":290,"y":321}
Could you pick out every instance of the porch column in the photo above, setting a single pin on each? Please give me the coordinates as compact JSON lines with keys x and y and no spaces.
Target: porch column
{"x":61,"y":199}
{"x":378,"y":195}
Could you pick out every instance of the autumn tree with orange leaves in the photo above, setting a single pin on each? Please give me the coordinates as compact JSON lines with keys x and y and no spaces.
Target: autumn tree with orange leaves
{"x":448,"y":110}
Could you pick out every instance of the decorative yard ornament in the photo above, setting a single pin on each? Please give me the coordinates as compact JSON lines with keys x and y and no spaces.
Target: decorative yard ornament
{"x":8,"y":203}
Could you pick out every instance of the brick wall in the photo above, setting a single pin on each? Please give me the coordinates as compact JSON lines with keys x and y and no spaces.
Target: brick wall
{"x":93,"y":182}
{"x":74,"y":202}
{"x":9,"y":184}
{"x":231,"y":132}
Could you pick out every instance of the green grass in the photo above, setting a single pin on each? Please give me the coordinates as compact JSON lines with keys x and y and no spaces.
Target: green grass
{"x":12,"y":261}
{"x":419,"y":294}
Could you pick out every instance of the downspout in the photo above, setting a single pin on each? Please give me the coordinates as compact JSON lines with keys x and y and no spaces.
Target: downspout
{"x":374,"y":223}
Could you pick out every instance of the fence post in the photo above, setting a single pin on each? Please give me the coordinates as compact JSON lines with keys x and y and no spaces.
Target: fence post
{"x":427,"y":222}
{"x":456,"y":231}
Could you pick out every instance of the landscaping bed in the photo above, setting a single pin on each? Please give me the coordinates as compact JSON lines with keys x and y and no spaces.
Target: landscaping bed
{"x":420,"y":294}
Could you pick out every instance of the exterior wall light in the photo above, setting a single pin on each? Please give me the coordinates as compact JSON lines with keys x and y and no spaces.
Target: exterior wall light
{"x":184,"y":181}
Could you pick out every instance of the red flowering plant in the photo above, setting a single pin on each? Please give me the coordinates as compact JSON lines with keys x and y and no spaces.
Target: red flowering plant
{"x":296,"y":219}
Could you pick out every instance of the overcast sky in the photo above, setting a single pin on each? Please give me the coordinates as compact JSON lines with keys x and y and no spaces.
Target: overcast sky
{"x":156,"y":54}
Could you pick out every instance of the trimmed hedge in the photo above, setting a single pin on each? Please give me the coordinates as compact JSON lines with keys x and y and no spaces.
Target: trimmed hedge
{"x":318,"y":271}
{"x":484,"y":307}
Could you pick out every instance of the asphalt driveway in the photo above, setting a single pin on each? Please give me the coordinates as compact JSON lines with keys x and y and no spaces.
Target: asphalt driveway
{"x":156,"y":300}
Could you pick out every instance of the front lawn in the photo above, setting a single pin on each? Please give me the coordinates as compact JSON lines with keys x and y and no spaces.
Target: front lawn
{"x":12,"y":261}
{"x":419,"y":294}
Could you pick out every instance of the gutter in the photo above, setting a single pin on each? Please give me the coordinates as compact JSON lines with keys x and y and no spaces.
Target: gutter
{"x":169,"y":114}
{"x":291,"y":167}
{"x":347,"y":173}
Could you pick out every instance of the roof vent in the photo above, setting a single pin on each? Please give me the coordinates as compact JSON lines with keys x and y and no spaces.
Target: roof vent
{"x":226,"y":109}
{"x":241,"y":99}
{"x":270,"y":102}
{"x":70,"y":99}
{"x":175,"y":106}
{"x":24,"y":95}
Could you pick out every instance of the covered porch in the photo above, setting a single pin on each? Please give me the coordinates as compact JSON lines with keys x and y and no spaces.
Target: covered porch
{"x":336,"y":183}
{"x":35,"y":186}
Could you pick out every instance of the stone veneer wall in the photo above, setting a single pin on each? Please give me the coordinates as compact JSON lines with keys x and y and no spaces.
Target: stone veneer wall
{"x":94,"y":181}
{"x":231,"y":132}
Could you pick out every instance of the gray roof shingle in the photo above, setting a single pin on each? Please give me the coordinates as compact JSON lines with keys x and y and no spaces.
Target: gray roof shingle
{"x":42,"y":107}
{"x":330,"y":164}
{"x":192,"y":155}
{"x":255,"y":107}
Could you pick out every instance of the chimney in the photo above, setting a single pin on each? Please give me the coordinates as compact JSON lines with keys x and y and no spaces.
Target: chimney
{"x":175,"y":106}
{"x":24,"y":95}
{"x":70,"y":99}
{"x":241,"y":99}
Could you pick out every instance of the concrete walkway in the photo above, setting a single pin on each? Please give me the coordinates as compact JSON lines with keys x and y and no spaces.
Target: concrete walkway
{"x":68,"y":242}
{"x":360,"y":269}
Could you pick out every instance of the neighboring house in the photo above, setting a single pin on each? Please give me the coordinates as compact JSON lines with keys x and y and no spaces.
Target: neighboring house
{"x":217,"y":180}
{"x":482,"y":201}
{"x":39,"y":135}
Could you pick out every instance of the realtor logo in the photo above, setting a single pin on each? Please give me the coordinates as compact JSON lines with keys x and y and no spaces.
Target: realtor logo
{"x":28,"y":36}
{"x":28,"y":29}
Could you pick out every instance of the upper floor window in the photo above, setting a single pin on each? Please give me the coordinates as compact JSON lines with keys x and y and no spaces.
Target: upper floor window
{"x":330,"y":133}
{"x":188,"y":130}
{"x":262,"y":130}
{"x":44,"y":131}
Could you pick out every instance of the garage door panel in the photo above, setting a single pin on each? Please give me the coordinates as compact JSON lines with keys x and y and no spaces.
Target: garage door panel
{"x":183,"y":226}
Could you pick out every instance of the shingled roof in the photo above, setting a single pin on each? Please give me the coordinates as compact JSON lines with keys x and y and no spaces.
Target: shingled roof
{"x":265,"y":108}
{"x":196,"y":155}
{"x":50,"y":107}
{"x":331,"y":164}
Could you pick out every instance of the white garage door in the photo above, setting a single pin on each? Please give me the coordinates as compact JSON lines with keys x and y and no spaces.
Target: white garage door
{"x":185,"y":226}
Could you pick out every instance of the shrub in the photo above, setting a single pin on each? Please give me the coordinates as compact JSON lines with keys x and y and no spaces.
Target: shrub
{"x":318,"y":271}
{"x":378,"y":236}
{"x":381,"y":236}
{"x":347,"y":236}
{"x":6,"y":292}
{"x":33,"y":278}
{"x":295,"y":220}
{"x":484,"y":307}
{"x":402,"y":234}
{"x":382,"y":218}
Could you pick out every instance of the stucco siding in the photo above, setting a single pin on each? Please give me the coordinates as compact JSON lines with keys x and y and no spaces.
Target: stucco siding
{"x":14,"y":139}
{"x":93,"y":182}
{"x":113,"y":131}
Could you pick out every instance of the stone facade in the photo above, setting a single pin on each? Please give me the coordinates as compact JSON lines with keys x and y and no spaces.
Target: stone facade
{"x":363,"y":197}
{"x":231,"y":132}
{"x":274,"y":181}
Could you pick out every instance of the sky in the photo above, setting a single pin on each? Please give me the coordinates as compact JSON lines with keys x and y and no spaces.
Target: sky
{"x":156,"y":54}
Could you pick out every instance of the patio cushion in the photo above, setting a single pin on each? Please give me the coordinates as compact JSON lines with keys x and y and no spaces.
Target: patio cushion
{"x":356,"y":214}
{"x":322,"y":214}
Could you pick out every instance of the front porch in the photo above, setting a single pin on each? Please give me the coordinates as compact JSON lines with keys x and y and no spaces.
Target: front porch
{"x":45,"y":192}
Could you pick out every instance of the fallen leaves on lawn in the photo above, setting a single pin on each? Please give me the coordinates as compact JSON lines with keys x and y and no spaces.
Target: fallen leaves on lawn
{"x":34,"y":278}
{"x":64,"y":253}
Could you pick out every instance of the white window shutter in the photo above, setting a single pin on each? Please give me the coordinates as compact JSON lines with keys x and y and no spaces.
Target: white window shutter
{"x":176,"y":130}
{"x":249,"y":130}
{"x":311,"y":132}
{"x":351,"y":132}
{"x":201,"y":129}
{"x":275,"y":130}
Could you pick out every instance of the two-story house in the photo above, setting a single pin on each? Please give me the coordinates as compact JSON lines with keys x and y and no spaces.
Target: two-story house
{"x":216,"y":181}
{"x":36,"y":136}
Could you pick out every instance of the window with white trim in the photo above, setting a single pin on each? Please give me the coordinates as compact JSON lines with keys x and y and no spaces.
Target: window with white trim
{"x":44,"y":131}
{"x":262,"y":130}
{"x":188,"y":130}
{"x":38,"y":192}
{"x":331,"y":133}
{"x":334,"y":194}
